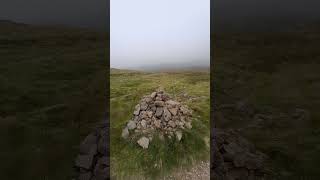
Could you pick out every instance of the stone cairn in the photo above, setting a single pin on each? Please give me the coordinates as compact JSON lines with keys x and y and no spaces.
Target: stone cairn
{"x":157,"y":113}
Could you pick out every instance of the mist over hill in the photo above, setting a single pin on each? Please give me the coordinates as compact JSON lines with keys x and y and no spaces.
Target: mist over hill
{"x":174,"y":66}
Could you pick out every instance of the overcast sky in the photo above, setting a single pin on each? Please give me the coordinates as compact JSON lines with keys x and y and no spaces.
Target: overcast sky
{"x":158,"y":32}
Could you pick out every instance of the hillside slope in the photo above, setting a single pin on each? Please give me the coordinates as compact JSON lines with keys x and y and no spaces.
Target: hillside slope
{"x":266,"y":86}
{"x":52,"y":86}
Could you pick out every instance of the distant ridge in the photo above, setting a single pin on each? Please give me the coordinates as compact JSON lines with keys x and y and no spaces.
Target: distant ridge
{"x":175,"y":68}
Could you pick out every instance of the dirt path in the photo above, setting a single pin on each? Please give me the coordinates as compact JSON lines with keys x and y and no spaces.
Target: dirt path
{"x":200,"y":171}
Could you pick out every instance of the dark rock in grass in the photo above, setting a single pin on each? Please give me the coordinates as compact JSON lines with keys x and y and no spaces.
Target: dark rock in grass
{"x":89,"y":145}
{"x":84,"y":161}
{"x":101,"y":170}
{"x":85,"y":176}
{"x":102,"y":145}
{"x":235,"y":158}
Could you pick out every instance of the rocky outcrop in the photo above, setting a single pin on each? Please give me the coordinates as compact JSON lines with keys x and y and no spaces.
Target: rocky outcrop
{"x":92,"y":162}
{"x":157,"y":112}
{"x":234,"y":158}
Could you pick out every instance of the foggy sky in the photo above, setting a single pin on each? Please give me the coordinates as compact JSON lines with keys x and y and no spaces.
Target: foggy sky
{"x":150,"y":33}
{"x":91,"y":14}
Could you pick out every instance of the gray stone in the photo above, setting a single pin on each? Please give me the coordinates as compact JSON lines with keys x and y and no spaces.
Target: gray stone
{"x":143,"y":106}
{"x":153,"y":95}
{"x":159,"y":112}
{"x":136,"y":118}
{"x":159,"y":103}
{"x":172,"y":124}
{"x":179,"y":135}
{"x":143,"y":123}
{"x":137,"y":110}
{"x":85,"y":176}
{"x":143,"y":142}
{"x":184,"y":110}
{"x":157,"y":123}
{"x":102,"y":145}
{"x":143,"y":114}
{"x":101,"y":170}
{"x":188,"y":125}
{"x":131,"y":125}
{"x":172,"y":103}
{"x":173,"y":111}
{"x":148,"y":99}
{"x":84,"y":161}
{"x":149,"y":113}
{"x":125,"y":133}
{"x":89,"y":144}
{"x":166,"y":114}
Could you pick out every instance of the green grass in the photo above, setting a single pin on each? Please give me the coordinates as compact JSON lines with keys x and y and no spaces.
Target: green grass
{"x":274,"y":72}
{"x":52,"y":86}
{"x":127,"y":158}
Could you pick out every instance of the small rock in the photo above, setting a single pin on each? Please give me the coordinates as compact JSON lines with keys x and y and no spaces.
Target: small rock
{"x":131,"y":125}
{"x":172,"y":124}
{"x":159,"y":112}
{"x":125,"y":133}
{"x":143,"y":115}
{"x":172,"y":103}
{"x":84,"y":161}
{"x":148,"y":99}
{"x":149,"y":113}
{"x":188,"y":125}
{"x":101,"y":170}
{"x":143,"y":123}
{"x":136,"y":118}
{"x":166,"y":114}
{"x":157,"y":123}
{"x":85,"y":176}
{"x":153,"y":95}
{"x":173,"y":111}
{"x":179,"y":135}
{"x":143,"y":106}
{"x":103,"y":145}
{"x":137,"y":110}
{"x":143,"y":142}
{"x":159,"y":103}
{"x":184,"y":110}
{"x":89,"y":145}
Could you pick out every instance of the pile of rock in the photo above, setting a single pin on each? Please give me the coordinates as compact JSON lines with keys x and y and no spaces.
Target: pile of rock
{"x":234,"y":158}
{"x":157,"y":113}
{"x":92,"y":162}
